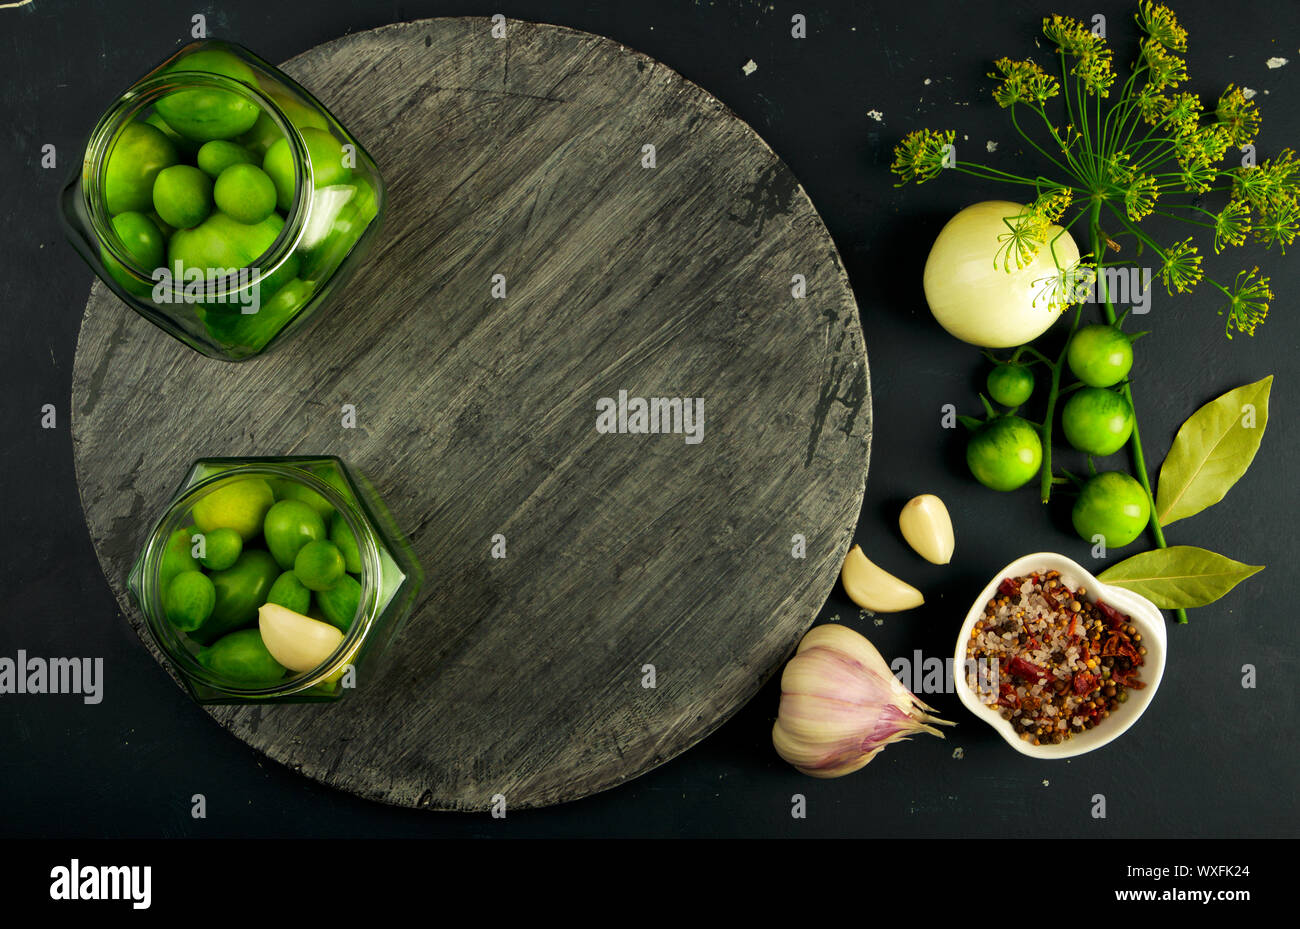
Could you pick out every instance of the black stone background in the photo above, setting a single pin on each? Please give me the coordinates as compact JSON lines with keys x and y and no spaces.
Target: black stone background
{"x":1208,"y":759}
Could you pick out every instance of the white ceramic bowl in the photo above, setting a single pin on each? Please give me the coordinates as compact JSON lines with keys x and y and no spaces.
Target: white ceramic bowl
{"x":1146,"y":618}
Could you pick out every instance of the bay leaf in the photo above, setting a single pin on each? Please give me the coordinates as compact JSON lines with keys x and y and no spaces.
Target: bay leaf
{"x":1212,"y":451}
{"x":1180,"y":576}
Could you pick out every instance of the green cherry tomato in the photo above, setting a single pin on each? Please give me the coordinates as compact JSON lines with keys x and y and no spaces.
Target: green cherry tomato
{"x":182,"y":195}
{"x":1111,"y":505}
{"x":342,"y":536}
{"x":240,"y":590}
{"x":1010,"y":385}
{"x":221,"y":549}
{"x":240,"y":505}
{"x":1004,"y":454}
{"x":327,"y":164}
{"x":219,"y":154}
{"x":289,"y":525}
{"x":242,"y":657}
{"x":188,"y":600}
{"x":1100,"y":355}
{"x":319,"y":565}
{"x":338,"y":604}
{"x":1097,"y":421}
{"x":142,"y":239}
{"x":292,"y":490}
{"x":245,"y":193}
{"x":205,"y":113}
{"x":139,"y":153}
{"x":178,"y":555}
{"x":290,"y":593}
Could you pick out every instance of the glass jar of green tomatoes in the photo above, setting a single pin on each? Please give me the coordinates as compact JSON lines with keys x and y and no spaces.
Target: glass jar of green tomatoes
{"x":221,"y":201}
{"x":271,"y":579}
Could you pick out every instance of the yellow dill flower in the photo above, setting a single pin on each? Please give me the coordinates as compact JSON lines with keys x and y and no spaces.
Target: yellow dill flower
{"x":1159,"y":22}
{"x":922,"y":154}
{"x":1182,"y":113}
{"x":1247,"y":303}
{"x":1231,"y":225}
{"x":1164,"y":68}
{"x":1238,"y":116}
{"x":1093,"y":64}
{"x":1140,"y":197}
{"x":1181,"y":268}
{"x":1023,"y":82}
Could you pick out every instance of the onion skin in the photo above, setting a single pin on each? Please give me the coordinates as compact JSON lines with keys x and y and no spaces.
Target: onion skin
{"x":971,"y":295}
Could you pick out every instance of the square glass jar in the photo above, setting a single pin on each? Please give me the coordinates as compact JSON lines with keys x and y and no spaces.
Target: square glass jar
{"x":218,"y":271}
{"x":385,"y":585}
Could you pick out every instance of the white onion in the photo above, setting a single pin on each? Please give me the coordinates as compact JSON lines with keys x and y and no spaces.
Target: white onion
{"x":974,"y":298}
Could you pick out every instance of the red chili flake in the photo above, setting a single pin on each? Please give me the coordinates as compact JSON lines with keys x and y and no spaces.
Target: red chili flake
{"x":1009,"y":587}
{"x":1007,"y":695}
{"x":1026,"y":670}
{"x":1114,"y":618}
{"x":1084,"y":682}
{"x":1127,"y":678}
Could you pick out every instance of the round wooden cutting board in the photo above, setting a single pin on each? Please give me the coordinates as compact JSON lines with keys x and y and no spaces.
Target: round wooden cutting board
{"x":651,"y":583}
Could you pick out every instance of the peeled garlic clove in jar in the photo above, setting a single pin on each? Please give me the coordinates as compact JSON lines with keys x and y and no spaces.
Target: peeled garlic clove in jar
{"x":927,"y":527}
{"x":298,"y":642}
{"x":873,"y":588}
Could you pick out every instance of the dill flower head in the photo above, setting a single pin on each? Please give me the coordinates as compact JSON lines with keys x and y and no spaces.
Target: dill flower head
{"x":1278,"y":227}
{"x":1160,"y":24}
{"x":1231,"y":225}
{"x":1238,"y":116}
{"x":1140,"y":197}
{"x":1247,"y":303}
{"x":1092,"y":56}
{"x":1164,"y":68}
{"x":1181,"y":270}
{"x":1270,"y":185}
{"x":921,"y":155}
{"x":1023,"y":82}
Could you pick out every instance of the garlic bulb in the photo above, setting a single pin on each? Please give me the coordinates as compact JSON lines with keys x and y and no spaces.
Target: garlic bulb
{"x":927,"y":527}
{"x":840,"y":705}
{"x":873,"y":588}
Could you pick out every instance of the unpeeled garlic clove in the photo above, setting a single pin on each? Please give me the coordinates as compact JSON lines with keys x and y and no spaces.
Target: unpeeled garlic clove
{"x":874,"y":588}
{"x":298,"y":642}
{"x":927,"y":527}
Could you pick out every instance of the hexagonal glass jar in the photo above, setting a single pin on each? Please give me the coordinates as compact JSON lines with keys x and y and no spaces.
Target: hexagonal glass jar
{"x":229,"y":285}
{"x":389,"y":578}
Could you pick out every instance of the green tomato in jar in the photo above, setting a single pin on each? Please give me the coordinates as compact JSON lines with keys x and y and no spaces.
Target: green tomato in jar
{"x":188,"y":600}
{"x":221,"y":549}
{"x":328,"y":164}
{"x":1010,"y":385}
{"x":219,"y":154}
{"x":182,"y":196}
{"x":239,"y":504}
{"x":342,"y":537}
{"x":338,"y":604}
{"x":178,"y":555}
{"x":1111,"y":505}
{"x":1100,"y":355}
{"x":248,"y":333}
{"x":1004,"y":454}
{"x":245,"y":193}
{"x":289,"y":525}
{"x":240,"y":590}
{"x":139,"y":153}
{"x":292,"y":490}
{"x":242,"y":657}
{"x":202,"y":114}
{"x":145,"y":244}
{"x":290,"y":593}
{"x":220,"y":243}
{"x":319,"y":565}
{"x":1097,"y":421}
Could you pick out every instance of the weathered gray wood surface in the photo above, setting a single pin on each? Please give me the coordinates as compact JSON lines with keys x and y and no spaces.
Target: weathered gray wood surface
{"x":522,"y":156}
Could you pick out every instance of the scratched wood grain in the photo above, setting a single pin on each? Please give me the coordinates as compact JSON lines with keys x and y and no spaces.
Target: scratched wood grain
{"x":523,"y":156}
